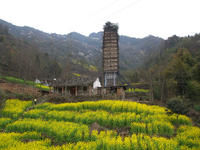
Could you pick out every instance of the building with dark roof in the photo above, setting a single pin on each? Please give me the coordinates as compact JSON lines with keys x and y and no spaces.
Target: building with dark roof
{"x":75,"y":86}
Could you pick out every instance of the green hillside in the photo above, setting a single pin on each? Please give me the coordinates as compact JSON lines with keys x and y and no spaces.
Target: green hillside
{"x":25,"y":82}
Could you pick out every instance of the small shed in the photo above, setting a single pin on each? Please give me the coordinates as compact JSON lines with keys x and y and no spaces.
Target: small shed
{"x":76,"y":86}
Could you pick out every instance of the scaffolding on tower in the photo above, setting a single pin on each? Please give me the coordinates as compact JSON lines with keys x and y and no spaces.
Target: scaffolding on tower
{"x":110,"y":55}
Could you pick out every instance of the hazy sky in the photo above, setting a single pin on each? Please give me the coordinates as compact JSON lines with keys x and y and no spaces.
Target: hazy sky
{"x":136,"y":18}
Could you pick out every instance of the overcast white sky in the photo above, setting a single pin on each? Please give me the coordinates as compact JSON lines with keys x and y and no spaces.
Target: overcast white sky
{"x":136,"y":18}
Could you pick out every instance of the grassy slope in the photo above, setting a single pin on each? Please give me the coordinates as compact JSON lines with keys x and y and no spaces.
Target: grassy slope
{"x":26,"y":82}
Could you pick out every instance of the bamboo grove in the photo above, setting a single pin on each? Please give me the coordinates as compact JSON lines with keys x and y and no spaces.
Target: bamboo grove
{"x":67,"y":126}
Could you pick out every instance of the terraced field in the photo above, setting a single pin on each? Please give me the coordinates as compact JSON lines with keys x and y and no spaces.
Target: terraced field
{"x":101,"y":125}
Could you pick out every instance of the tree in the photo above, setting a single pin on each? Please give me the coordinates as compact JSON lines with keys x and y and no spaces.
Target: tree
{"x":193,"y":90}
{"x":66,"y":69}
{"x":37,"y":65}
{"x":180,"y":70}
{"x":133,"y":76}
{"x":196,"y":72}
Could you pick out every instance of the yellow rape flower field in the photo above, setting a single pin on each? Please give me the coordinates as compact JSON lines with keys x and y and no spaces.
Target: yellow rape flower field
{"x":122,"y":125}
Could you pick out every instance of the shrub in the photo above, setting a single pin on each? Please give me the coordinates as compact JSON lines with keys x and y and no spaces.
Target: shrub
{"x":197,"y":108}
{"x":177,"y":105}
{"x":193,"y":89}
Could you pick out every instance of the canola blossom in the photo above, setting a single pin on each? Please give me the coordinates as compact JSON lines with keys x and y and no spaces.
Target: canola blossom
{"x":67,"y":126}
{"x":14,"y":108}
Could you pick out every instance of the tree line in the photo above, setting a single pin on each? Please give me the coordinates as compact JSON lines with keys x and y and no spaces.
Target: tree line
{"x":173,"y":71}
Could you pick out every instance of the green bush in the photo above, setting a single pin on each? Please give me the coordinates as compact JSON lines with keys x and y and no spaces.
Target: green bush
{"x":193,"y":90}
{"x":197,"y":108}
{"x":177,"y":105}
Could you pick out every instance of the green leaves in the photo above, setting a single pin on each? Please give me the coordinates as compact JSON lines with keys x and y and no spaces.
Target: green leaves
{"x":180,"y":70}
{"x":176,"y":105}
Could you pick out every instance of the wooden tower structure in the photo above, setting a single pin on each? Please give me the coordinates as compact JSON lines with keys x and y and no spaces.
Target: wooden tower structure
{"x":110,"y":55}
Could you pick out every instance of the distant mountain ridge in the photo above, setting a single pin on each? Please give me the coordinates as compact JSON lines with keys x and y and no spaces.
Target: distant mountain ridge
{"x":83,"y":53}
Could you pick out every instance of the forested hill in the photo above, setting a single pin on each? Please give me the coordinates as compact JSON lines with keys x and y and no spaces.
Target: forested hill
{"x":19,"y":58}
{"x":172,"y":45}
{"x":73,"y":52}
{"x":174,"y":70}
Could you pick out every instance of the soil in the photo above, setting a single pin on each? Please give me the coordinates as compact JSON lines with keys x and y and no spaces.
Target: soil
{"x":96,"y":126}
{"x":123,"y":132}
{"x":18,"y":88}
